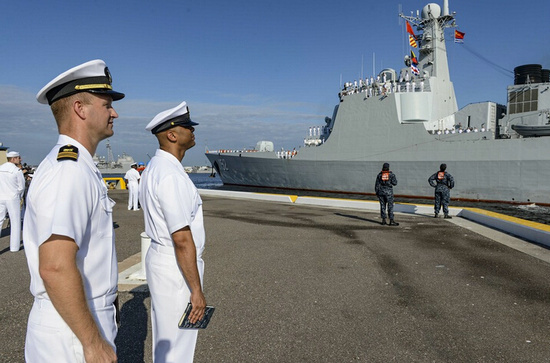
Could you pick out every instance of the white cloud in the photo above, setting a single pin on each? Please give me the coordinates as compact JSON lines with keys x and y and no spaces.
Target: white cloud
{"x":29,"y":127}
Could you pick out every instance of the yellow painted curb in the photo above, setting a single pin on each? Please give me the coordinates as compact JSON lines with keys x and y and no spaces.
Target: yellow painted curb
{"x":507,"y":218}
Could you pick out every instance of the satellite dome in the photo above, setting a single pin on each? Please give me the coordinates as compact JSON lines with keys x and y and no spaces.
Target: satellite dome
{"x":433,"y":9}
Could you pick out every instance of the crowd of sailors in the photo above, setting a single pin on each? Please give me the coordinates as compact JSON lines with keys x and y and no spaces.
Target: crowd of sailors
{"x":287,"y":154}
{"x":458,"y":129}
{"x":282,"y":154}
{"x":382,"y":86}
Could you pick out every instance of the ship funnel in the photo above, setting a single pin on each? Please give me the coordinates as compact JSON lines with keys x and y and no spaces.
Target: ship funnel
{"x":445,"y":7}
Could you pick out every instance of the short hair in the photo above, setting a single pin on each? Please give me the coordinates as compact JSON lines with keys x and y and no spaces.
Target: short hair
{"x":443,"y":167}
{"x":61,"y":106}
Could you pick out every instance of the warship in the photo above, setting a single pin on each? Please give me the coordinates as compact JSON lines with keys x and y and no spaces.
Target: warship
{"x":109,"y":167}
{"x":410,"y":118}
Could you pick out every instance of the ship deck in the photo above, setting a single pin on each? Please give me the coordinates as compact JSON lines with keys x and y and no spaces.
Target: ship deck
{"x":328,"y":283}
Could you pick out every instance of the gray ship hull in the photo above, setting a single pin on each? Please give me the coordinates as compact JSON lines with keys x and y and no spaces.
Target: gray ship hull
{"x":358,"y":177}
{"x":485,"y":169}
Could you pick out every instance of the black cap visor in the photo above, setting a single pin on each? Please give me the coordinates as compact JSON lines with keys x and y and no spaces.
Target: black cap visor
{"x":183,"y":120}
{"x":114,"y":95}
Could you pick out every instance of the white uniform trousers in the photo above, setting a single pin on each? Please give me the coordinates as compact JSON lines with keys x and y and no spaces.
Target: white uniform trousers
{"x":13,"y":207}
{"x":169,"y":298}
{"x":133,"y":189}
{"x":49,"y":338}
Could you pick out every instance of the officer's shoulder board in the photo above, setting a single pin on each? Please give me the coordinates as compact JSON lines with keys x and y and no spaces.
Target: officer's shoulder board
{"x":67,"y":152}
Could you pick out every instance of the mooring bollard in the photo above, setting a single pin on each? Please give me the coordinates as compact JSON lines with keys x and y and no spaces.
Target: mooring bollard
{"x":145,"y":243}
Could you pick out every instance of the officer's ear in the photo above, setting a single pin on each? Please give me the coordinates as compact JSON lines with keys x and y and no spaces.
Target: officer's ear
{"x":171,"y":136}
{"x":166,"y":137}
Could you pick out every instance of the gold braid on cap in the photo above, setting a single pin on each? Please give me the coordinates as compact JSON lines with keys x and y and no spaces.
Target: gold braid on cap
{"x":92,"y":86}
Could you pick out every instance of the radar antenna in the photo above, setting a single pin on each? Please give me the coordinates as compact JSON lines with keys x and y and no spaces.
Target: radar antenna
{"x":110,"y":157}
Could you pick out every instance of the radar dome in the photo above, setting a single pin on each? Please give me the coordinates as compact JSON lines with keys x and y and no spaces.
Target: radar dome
{"x":433,"y":9}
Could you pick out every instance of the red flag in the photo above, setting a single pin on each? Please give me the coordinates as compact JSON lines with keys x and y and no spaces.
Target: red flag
{"x":459,"y":36}
{"x":410,"y":30}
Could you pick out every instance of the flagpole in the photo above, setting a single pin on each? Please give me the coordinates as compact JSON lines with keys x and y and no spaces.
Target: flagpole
{"x":400,"y":12}
{"x":373,"y":63}
{"x":362,"y":64}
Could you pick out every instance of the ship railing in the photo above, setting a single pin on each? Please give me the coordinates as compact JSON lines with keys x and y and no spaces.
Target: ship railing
{"x":231,"y":151}
{"x":382,"y":89}
{"x":458,"y":131}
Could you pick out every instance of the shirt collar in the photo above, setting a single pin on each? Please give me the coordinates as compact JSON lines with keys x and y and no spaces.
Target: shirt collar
{"x":166,"y":155}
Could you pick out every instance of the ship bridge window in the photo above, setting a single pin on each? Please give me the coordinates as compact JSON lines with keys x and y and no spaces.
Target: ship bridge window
{"x":523,"y":100}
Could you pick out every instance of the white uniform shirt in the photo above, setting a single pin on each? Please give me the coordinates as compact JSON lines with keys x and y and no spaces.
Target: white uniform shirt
{"x":132,"y":176}
{"x":170,"y":201}
{"x":69,"y":198}
{"x":12,"y":182}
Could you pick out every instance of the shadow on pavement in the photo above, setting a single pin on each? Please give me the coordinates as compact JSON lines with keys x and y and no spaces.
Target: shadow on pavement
{"x":132,"y":333}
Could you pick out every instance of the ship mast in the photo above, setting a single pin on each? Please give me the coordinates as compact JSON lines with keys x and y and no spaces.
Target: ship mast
{"x":432,"y":61}
{"x":433,"y":52}
{"x":110,"y":157}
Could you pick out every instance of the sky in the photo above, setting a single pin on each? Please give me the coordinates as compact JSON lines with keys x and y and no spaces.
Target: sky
{"x":249,"y":70}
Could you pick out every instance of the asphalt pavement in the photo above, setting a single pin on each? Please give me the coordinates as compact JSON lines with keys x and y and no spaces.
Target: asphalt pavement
{"x":296,"y":283}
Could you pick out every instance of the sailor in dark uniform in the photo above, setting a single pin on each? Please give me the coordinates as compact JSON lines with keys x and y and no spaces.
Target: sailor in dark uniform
{"x":384,"y":191}
{"x":443,"y":182}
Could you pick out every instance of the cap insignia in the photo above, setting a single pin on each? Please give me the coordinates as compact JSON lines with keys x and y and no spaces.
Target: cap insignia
{"x":108,"y":75}
{"x":67,"y":152}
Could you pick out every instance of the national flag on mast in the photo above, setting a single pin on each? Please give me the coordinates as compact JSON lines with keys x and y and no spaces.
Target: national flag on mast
{"x":413,"y":58}
{"x":410,"y":30}
{"x":459,"y":36}
{"x":412,"y":42}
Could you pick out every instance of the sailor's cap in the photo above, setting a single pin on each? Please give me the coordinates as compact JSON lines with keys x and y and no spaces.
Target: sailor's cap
{"x":92,"y":76}
{"x":133,"y":164}
{"x":177,"y":116}
{"x":12,"y":154}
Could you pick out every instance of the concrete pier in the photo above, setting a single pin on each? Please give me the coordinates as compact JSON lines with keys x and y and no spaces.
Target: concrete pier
{"x":298,"y":282}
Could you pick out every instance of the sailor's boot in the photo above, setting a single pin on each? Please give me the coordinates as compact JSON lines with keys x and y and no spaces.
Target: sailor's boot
{"x":435,"y":215}
{"x":384,"y":221}
{"x":393,"y":223}
{"x":446,"y":216}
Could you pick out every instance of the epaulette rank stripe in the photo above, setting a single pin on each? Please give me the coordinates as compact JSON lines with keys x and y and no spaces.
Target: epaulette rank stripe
{"x":68,"y":152}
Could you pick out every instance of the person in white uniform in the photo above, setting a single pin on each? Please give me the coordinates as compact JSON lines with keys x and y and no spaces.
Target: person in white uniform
{"x":132,"y":179}
{"x":12,"y":186}
{"x":173,"y":215}
{"x":68,"y":231}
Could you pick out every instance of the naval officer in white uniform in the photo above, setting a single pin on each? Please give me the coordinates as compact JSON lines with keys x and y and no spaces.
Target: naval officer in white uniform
{"x":172,"y":210}
{"x":12,"y":186}
{"x":132,"y":177}
{"x":68,"y":231}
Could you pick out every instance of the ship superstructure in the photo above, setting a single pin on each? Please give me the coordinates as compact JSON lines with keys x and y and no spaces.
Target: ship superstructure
{"x":410,"y":119}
